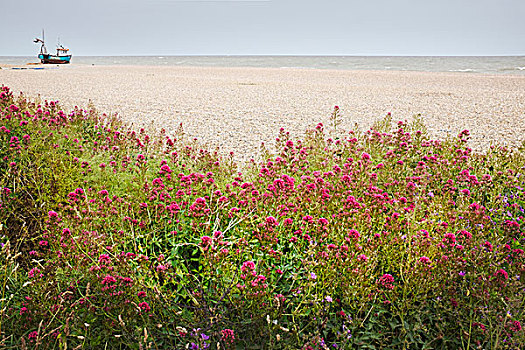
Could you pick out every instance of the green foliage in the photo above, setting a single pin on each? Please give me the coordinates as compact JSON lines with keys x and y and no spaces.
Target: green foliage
{"x":112,"y":238}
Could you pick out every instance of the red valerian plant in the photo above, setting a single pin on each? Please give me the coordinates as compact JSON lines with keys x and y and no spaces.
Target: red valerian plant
{"x":112,"y":237}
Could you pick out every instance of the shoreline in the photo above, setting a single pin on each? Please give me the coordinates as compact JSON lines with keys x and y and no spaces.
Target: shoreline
{"x":497,"y":65}
{"x":34,"y":65}
{"x":238,"y":108}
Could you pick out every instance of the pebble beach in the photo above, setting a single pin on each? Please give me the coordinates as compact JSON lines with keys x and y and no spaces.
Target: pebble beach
{"x":238,"y":108}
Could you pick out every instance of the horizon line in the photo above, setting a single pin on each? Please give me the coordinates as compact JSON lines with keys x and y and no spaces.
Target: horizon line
{"x":290,"y":55}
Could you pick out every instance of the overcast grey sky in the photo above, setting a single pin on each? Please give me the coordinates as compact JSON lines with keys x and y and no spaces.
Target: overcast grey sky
{"x":266,"y":27}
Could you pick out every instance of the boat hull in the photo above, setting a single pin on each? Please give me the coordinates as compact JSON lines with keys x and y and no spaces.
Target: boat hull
{"x":53,"y":59}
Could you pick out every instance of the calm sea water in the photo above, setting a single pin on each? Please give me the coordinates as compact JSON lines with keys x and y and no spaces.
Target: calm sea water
{"x":472,"y":64}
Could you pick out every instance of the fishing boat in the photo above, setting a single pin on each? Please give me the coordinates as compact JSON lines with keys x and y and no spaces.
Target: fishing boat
{"x":60,"y":58}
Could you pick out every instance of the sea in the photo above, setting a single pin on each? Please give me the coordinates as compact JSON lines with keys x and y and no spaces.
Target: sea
{"x":514,"y":65}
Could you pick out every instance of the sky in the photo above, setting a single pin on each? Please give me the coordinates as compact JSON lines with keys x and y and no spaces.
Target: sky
{"x":265,"y":27}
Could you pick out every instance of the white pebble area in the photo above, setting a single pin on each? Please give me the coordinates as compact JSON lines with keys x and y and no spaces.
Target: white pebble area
{"x":238,"y":108}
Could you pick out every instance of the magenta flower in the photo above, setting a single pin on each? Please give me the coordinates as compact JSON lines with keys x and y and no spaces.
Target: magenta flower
{"x":515,"y":326}
{"x":33,"y":335}
{"x":109,"y":280}
{"x":205,"y":241}
{"x":161,"y":268}
{"x":424,"y":260}
{"x":144,"y":306}
{"x":449,"y":238}
{"x":228,"y":335}
{"x":501,"y":274}
{"x":386,"y":281}
{"x":270,"y":220}
{"x":104,"y":258}
{"x":248,"y":265}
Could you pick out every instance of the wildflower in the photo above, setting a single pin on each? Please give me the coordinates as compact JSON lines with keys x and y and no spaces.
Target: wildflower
{"x":386,"y":281}
{"x":161,"y":268}
{"x":365,"y":156}
{"x":33,"y":272}
{"x":362,"y":257}
{"x":323,"y":221}
{"x":270,"y":220}
{"x":228,"y":335}
{"x":501,"y":274}
{"x":515,"y":326}
{"x":481,"y":326}
{"x":449,"y":238}
{"x":157,"y":181}
{"x":109,"y":279}
{"x":165,"y":169}
{"x":308,"y":218}
{"x":248,"y":265}
{"x":353,"y":234}
{"x":465,"y":234}
{"x":313,"y":276}
{"x":33,"y":335}
{"x":205,"y":241}
{"x":104,"y":258}
{"x":329,"y":299}
{"x":424,"y":260}
{"x":141,"y":294}
{"x":145,"y":306}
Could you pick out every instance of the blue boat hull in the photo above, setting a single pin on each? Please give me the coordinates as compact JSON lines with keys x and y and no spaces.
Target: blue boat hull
{"x":53,"y":59}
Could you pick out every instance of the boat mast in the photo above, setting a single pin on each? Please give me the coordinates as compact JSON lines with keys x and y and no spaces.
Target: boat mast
{"x":43,"y":49}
